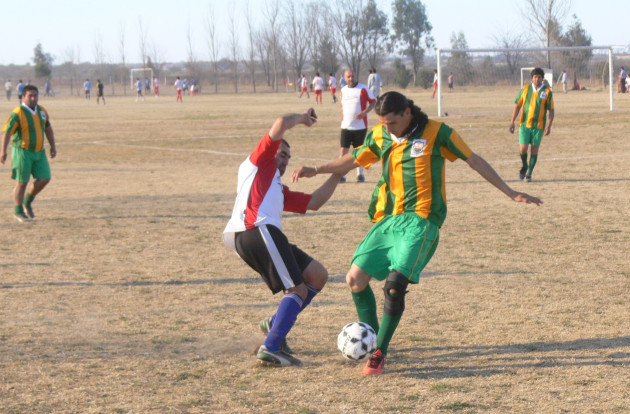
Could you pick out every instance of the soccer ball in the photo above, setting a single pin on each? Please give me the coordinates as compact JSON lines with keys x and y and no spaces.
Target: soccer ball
{"x":356,"y":340}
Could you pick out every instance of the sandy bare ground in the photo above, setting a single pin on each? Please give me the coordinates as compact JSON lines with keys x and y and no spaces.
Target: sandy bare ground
{"x":121,"y":297}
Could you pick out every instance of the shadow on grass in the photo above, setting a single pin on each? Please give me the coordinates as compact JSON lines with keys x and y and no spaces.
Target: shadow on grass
{"x":455,"y":362}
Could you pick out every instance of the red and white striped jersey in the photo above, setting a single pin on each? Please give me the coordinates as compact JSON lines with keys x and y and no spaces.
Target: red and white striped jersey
{"x":261,"y":197}
{"x":353,"y":101}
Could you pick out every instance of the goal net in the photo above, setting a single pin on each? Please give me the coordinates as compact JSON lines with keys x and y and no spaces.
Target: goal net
{"x":588,"y":68}
{"x":143,"y":74}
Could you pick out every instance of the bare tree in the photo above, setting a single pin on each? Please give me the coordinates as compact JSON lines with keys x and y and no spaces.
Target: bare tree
{"x":234,"y":46}
{"x":349,"y":23}
{"x":508,"y":40}
{"x":296,"y":34}
{"x":213,"y":46}
{"x":142,"y":32}
{"x":251,"y":63}
{"x":270,"y":13}
{"x":263,"y":54}
{"x":121,"y":50}
{"x":192,"y":64}
{"x":70,"y":57}
{"x":545,"y":17}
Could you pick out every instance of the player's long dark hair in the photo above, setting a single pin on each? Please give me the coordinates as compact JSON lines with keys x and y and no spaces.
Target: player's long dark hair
{"x":396,"y":103}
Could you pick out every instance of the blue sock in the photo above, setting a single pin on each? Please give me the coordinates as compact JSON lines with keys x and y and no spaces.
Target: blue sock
{"x":283,"y":320}
{"x":312,"y":291}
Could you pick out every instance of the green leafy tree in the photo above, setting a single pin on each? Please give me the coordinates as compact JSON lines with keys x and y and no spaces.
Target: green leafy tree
{"x":411,"y":28}
{"x":402,"y":75}
{"x":577,"y":60}
{"x":377,"y":33}
{"x":43,"y":62}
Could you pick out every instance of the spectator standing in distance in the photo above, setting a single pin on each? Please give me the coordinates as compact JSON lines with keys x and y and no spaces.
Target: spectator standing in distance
{"x":8,"y":86}
{"x":451,"y":78}
{"x":535,"y":99}
{"x":254,"y":232}
{"x":356,"y":102}
{"x":139,"y":90}
{"x":99,"y":91}
{"x":19,"y":88}
{"x":87,"y":86}
{"x":29,"y":123}
{"x":564,"y":79}
{"x":375,"y":83}
{"x":622,"y":80}
{"x":406,"y":208}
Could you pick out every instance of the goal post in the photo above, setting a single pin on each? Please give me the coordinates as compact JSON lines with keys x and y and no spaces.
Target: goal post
{"x":501,"y":66}
{"x":142,"y":74}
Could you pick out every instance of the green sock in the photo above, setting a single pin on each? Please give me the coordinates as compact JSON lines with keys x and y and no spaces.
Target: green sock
{"x":28,"y":199}
{"x":365,"y":302}
{"x":524,"y":159}
{"x":19,"y":210}
{"x":532,"y":163}
{"x":388,"y":327}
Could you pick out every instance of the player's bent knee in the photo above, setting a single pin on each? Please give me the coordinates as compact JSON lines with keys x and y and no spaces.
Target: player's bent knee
{"x":299,"y":290}
{"x":395,"y":290}
{"x":316,"y":274}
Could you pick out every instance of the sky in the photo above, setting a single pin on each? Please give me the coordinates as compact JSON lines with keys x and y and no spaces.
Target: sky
{"x":74,"y":27}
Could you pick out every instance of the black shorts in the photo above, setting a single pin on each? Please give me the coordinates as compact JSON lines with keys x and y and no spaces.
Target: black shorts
{"x":268,"y":251}
{"x":354,"y":137}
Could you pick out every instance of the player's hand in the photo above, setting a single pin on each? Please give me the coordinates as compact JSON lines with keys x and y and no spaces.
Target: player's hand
{"x":547,"y":129}
{"x":511,"y":128}
{"x":311,"y":117}
{"x":53,"y":152}
{"x":3,"y":157}
{"x":303,"y":172}
{"x":526,"y":198}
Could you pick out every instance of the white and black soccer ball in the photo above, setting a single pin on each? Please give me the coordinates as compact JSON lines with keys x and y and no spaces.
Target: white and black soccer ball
{"x":356,"y":340}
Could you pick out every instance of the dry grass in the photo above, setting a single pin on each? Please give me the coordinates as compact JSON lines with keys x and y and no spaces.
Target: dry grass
{"x":121,"y":298}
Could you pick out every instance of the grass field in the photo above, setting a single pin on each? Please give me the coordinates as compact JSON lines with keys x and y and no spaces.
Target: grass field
{"x":121,"y":298}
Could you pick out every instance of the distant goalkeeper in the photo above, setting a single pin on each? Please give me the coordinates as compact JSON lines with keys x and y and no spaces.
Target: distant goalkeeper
{"x":536,"y":99}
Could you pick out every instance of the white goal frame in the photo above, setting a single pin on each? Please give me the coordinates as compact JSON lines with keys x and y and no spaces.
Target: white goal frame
{"x":143,"y":71}
{"x":541,"y":49}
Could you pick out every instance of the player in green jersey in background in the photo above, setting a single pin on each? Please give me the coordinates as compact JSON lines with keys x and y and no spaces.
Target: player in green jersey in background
{"x":408,"y":206}
{"x":535,"y":99}
{"x":28,"y":124}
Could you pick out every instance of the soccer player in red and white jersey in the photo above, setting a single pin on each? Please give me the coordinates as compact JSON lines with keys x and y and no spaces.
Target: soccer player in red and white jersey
{"x":156,"y":87}
{"x":356,"y":101}
{"x":318,"y":87}
{"x":304,"y":84}
{"x":332,"y":84}
{"x":255,"y":233}
{"x":179,"y":86}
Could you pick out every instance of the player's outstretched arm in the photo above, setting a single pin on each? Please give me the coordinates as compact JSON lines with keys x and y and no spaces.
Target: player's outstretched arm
{"x":339,"y":166}
{"x":515,"y":112}
{"x":486,"y":171}
{"x":286,"y":122}
{"x":323,"y":193}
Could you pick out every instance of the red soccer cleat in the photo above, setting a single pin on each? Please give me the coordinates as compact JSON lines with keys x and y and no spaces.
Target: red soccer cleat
{"x":375,"y":363}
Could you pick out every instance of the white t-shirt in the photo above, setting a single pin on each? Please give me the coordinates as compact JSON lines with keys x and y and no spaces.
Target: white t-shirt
{"x":353,"y":101}
{"x":318,"y":83}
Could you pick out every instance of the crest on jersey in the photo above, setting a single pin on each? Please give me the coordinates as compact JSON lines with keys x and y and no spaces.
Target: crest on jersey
{"x":543,"y":95}
{"x":417,"y":148}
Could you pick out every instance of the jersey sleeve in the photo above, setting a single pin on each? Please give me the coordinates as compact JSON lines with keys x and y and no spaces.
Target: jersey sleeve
{"x":265,"y":150}
{"x":519,"y":98}
{"x":368,"y":153}
{"x":452,"y":146}
{"x":294,"y":201}
{"x":12,"y":124}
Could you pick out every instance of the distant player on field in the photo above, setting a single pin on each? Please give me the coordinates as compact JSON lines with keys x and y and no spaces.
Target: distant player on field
{"x":139,"y":90}
{"x":332,"y":84}
{"x":318,"y":87}
{"x":99,"y":91}
{"x":304,"y":86}
{"x":255,"y":233}
{"x":179,"y":87}
{"x":408,"y":207}
{"x":87,"y":86}
{"x":535,"y":99}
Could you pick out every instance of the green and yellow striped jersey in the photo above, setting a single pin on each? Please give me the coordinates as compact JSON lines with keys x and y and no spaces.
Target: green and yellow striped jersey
{"x":413,"y":170}
{"x":535,"y":105}
{"x":27,"y":127}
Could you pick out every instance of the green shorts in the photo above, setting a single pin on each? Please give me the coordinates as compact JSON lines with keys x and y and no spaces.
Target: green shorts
{"x":530,"y":135}
{"x":25,"y":162}
{"x":404,"y":242}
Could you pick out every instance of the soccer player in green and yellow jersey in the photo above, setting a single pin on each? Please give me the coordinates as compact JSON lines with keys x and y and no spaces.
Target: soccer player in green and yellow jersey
{"x":408,"y":206}
{"x":536,"y":99}
{"x":28,"y":124}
